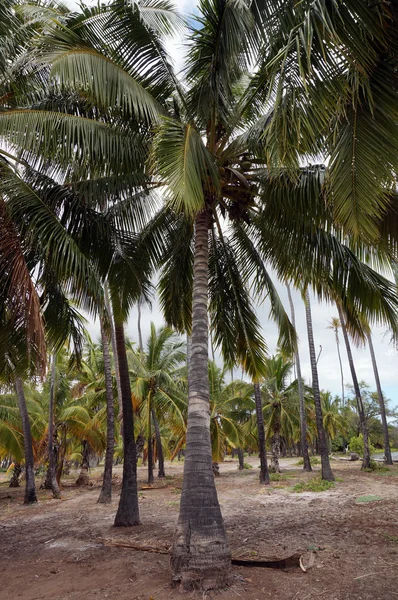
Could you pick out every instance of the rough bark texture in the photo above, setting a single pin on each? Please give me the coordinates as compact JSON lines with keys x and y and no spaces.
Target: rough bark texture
{"x":300,"y":383}
{"x":30,"y":485}
{"x":241,"y":459}
{"x":357,"y":390}
{"x":386,"y":437}
{"x":51,"y":451}
{"x":264,"y":474}
{"x":127,"y":513}
{"x":159,"y":448}
{"x":327,"y":472}
{"x":16,"y":473}
{"x":83,"y":478}
{"x":201,"y":557}
{"x":115,"y":354}
{"x":106,"y":490}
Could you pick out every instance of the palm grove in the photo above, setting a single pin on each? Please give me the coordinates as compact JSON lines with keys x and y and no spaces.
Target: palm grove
{"x":118,"y":172}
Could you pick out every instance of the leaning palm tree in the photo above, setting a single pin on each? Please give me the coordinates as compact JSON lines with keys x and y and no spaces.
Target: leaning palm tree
{"x":361,"y":412}
{"x":386,"y":436}
{"x":335,"y":325}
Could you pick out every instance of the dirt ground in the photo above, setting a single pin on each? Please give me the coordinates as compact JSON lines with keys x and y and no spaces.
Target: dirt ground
{"x":56,"y":550}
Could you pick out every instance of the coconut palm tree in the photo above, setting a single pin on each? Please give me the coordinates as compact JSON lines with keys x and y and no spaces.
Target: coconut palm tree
{"x":155,"y":385}
{"x":386,"y":436}
{"x":220,"y":140}
{"x":357,"y":390}
{"x":335,"y":326}
{"x":300,"y":383}
{"x":322,"y":444}
{"x":51,"y":455}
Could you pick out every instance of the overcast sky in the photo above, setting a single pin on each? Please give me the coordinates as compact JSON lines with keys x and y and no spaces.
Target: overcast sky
{"x":329,"y":371}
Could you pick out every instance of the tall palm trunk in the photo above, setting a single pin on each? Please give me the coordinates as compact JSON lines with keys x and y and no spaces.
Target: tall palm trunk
{"x":386,"y":437}
{"x":51,"y":454}
{"x":341,"y":366}
{"x":30,"y":486}
{"x":141,"y":345}
{"x":114,"y":352}
{"x":241,"y":458}
{"x":201,"y":557}
{"x":276,"y":444}
{"x":264,"y":474}
{"x":106,"y":490}
{"x":159,"y":448}
{"x":300,"y":383}
{"x":322,"y":444}
{"x":151,"y":478}
{"x":361,"y":411}
{"x":127,"y":512}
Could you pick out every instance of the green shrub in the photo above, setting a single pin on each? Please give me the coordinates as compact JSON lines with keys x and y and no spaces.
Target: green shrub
{"x":314,"y":461}
{"x":356,"y":445}
{"x":247,"y":466}
{"x":375,"y":466}
{"x":316,"y":484}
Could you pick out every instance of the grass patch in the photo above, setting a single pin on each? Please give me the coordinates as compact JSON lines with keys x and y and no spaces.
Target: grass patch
{"x":368,"y":498}
{"x":316,"y":484}
{"x":391,"y":538}
{"x":247,"y":466}
{"x":375,"y":466}
{"x":313,"y":460}
{"x":173,"y":503}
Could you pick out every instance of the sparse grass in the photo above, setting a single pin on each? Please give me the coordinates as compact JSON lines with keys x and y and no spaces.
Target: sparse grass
{"x":173,"y":503}
{"x":391,"y":538}
{"x":368,"y":498}
{"x":375,"y":466}
{"x":247,"y":466}
{"x":313,"y":460}
{"x":279,"y":476}
{"x":316,"y":484}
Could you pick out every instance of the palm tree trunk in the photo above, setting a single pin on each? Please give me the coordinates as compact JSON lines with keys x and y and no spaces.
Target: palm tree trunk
{"x":300,"y":383}
{"x":115,"y":354}
{"x":51,"y":454}
{"x":276,"y":446}
{"x":387,"y":449}
{"x":151,"y":478}
{"x":16,"y":473}
{"x":128,"y":512}
{"x":30,"y":486}
{"x":326,"y":470}
{"x":200,"y":557}
{"x":341,"y":368}
{"x":361,"y":412}
{"x":241,"y":459}
{"x":141,"y":345}
{"x":159,"y":448}
{"x":83,"y":478}
{"x":264,"y":474}
{"x":106,"y":491}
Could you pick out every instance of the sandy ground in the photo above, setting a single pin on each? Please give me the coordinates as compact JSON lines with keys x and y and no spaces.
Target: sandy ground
{"x":56,"y":550}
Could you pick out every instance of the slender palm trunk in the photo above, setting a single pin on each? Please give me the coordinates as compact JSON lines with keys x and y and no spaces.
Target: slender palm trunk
{"x":357,"y":390}
{"x":264,"y":474}
{"x":16,"y":473}
{"x":115,"y":354}
{"x":141,"y":345}
{"x":300,"y":383}
{"x":322,"y":445}
{"x":84,"y":478}
{"x":341,"y":367}
{"x":276,"y":445}
{"x":51,"y":453}
{"x":30,"y":486}
{"x":127,"y":512}
{"x":387,"y":449}
{"x":241,"y":459}
{"x":159,"y":448}
{"x":201,"y":557}
{"x":151,"y":478}
{"x":106,"y":490}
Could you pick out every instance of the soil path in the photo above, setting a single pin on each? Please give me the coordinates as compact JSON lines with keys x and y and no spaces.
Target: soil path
{"x":55,"y":550}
